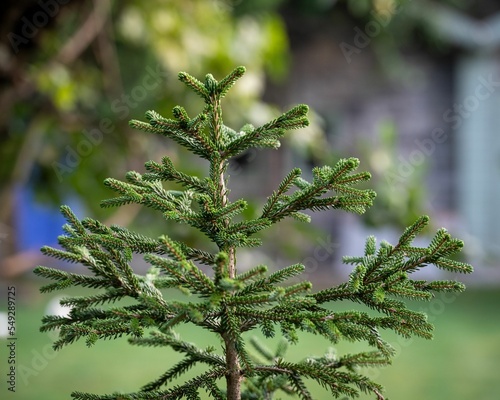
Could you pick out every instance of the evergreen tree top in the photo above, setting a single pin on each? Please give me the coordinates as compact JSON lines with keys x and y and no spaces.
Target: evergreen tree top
{"x":231,"y":302}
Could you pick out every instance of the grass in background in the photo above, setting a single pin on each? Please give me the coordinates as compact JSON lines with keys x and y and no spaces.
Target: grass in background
{"x":461,"y":363}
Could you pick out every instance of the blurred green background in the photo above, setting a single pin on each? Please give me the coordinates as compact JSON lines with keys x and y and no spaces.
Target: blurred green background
{"x":393,"y":82}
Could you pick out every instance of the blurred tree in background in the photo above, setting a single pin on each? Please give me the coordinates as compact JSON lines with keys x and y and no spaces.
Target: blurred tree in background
{"x":73,"y":74}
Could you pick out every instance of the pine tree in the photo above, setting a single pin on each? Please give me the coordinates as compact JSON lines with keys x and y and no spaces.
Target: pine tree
{"x":229,"y":302}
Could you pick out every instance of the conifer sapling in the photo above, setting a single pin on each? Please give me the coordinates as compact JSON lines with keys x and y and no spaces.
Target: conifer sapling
{"x":229,"y":302}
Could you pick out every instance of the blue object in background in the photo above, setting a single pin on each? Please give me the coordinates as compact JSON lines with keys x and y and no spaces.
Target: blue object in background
{"x":38,"y":224}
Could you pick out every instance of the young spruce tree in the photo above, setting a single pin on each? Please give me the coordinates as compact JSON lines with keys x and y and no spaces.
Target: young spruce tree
{"x":229,"y":302}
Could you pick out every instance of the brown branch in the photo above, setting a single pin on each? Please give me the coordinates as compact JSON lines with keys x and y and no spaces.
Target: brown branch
{"x":88,"y":31}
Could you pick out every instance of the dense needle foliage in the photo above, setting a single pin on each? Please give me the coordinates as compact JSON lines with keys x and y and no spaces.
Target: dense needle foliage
{"x":229,"y":302}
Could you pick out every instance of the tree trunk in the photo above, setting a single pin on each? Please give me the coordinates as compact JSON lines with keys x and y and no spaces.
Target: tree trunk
{"x":233,"y":378}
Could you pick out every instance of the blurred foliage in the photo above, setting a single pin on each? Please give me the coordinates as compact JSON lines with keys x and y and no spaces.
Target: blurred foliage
{"x":400,"y":200}
{"x":94,"y":64}
{"x":98,"y":64}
